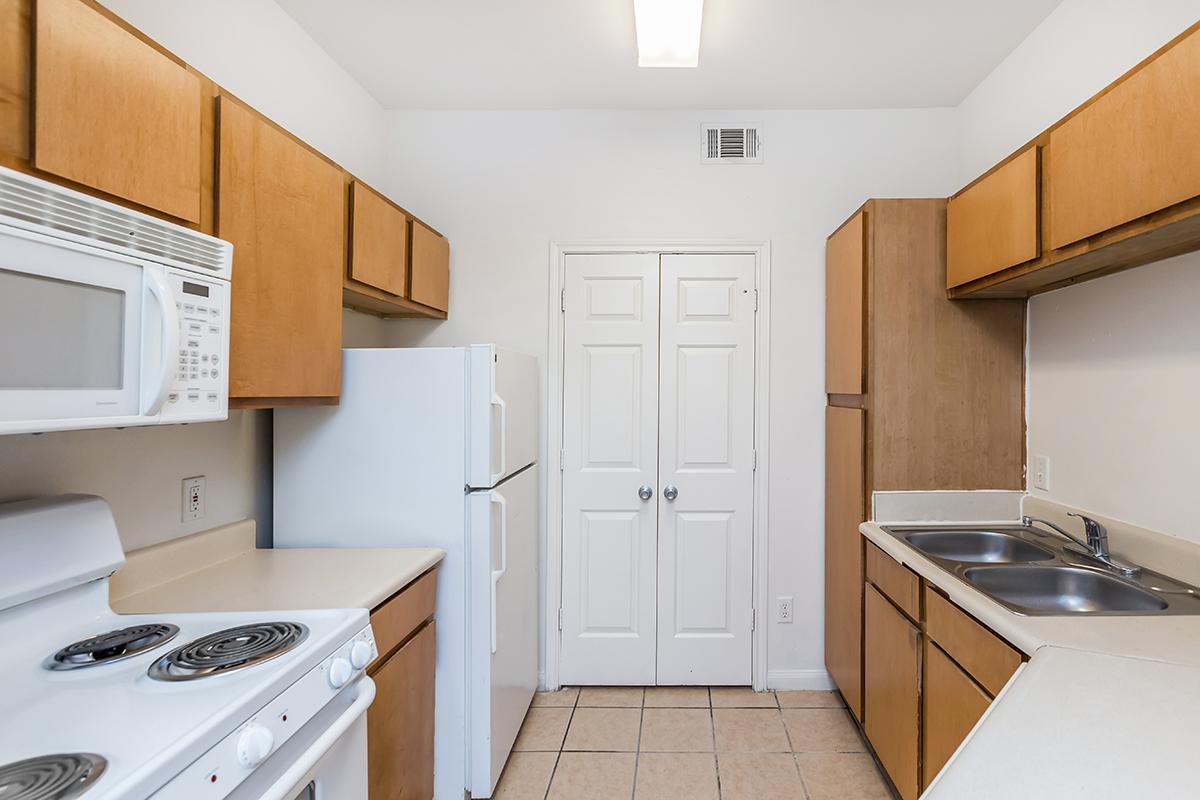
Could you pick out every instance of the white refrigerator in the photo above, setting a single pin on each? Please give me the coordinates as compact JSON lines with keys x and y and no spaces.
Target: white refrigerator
{"x":436,"y":447}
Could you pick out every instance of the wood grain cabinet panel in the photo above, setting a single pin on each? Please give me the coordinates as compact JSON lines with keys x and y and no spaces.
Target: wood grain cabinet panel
{"x":1131,"y":152}
{"x":378,"y":241}
{"x":993,"y":224}
{"x":400,"y":722}
{"x":892,"y":690}
{"x":844,"y":512}
{"x":113,"y":112}
{"x":952,"y":703}
{"x":989,"y":659}
{"x":430,"y":268}
{"x":845,"y":273}
{"x":897,"y":582}
{"x":284,"y":209}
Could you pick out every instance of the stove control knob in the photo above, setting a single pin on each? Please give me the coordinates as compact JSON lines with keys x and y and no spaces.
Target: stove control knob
{"x":360,"y":655}
{"x":340,"y":673}
{"x":254,"y":745}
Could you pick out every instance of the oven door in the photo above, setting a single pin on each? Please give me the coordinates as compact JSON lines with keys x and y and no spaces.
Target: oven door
{"x":324,"y":760}
{"x":85,"y":336}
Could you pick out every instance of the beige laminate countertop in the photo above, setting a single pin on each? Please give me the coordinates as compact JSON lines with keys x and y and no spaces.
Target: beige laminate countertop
{"x":1103,"y":709}
{"x":221,"y":570}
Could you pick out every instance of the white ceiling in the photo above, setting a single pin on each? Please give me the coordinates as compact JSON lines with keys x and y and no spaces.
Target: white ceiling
{"x":768,"y":54}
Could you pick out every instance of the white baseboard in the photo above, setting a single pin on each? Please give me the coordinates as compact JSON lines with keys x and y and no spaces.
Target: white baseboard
{"x":795,"y":679}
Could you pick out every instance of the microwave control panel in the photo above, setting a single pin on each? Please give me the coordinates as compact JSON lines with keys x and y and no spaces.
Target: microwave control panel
{"x":200,"y":389}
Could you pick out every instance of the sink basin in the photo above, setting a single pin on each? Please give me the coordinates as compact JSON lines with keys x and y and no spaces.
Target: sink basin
{"x":977,"y":547}
{"x":1061,"y":589}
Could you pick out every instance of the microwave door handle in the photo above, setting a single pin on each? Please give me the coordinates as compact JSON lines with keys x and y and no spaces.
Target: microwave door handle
{"x":154,"y":399}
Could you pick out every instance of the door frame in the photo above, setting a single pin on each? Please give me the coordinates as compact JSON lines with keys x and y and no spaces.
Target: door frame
{"x":552,"y":585}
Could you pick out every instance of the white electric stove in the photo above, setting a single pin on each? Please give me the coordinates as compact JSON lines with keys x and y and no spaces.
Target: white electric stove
{"x":102,"y":706}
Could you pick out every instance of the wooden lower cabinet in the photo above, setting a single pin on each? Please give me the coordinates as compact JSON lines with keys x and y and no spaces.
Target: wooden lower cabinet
{"x":400,"y":721}
{"x":844,"y":511}
{"x":892,"y":690}
{"x":951,"y":705}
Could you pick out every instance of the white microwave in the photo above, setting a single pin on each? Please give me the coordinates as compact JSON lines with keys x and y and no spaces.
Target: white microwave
{"x":108,"y":317}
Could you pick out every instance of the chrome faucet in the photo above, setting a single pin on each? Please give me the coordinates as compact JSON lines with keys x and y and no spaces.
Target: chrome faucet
{"x":1096,"y":545}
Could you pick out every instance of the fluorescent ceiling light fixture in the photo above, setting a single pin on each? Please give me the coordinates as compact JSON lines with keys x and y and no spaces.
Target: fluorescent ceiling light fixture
{"x":668,"y":32}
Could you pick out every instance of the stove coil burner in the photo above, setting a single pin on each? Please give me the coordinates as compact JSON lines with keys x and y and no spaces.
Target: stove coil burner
{"x":109,"y":647}
{"x":228,"y":650}
{"x":57,"y":777}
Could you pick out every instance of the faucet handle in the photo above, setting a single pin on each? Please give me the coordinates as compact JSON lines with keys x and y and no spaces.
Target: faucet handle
{"x":1096,"y":533}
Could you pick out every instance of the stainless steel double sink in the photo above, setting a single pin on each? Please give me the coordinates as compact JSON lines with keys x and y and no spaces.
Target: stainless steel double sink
{"x":1033,"y":572}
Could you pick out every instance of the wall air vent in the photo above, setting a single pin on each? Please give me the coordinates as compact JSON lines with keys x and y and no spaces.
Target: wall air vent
{"x":731,"y":145}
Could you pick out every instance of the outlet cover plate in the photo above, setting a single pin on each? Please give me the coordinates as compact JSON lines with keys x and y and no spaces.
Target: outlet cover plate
{"x":1041,"y":473}
{"x":193,"y":498}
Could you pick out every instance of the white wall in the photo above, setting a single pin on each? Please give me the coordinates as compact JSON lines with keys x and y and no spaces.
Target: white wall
{"x":253,"y":49}
{"x":256,"y":51}
{"x":502,"y":185}
{"x":1114,"y":364}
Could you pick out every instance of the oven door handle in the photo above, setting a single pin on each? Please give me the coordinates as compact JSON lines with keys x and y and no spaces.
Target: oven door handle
{"x":154,"y":397}
{"x":287,"y":784}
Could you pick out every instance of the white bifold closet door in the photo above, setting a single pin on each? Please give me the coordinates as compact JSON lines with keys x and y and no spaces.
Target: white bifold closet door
{"x":658,"y":469}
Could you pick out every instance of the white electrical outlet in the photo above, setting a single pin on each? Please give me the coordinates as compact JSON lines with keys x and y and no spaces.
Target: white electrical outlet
{"x":193,"y":498}
{"x":783,"y":609}
{"x":1041,"y":473}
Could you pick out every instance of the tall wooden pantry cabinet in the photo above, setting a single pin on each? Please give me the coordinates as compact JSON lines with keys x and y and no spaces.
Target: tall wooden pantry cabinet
{"x":924,"y":393}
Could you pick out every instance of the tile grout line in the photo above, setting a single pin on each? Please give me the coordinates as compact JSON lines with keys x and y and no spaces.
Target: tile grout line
{"x":561,"y":744}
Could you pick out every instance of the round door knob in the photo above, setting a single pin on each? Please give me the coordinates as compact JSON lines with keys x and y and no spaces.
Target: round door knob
{"x":645,"y":492}
{"x":254,"y":745}
{"x":340,"y":673}
{"x":670,"y":493}
{"x":360,"y":655}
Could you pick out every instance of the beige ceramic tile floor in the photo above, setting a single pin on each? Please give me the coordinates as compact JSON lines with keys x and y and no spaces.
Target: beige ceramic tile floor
{"x":688,"y":743}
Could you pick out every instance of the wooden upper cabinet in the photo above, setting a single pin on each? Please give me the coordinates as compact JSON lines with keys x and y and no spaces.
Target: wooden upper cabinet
{"x":845,"y":498}
{"x":113,"y":112}
{"x":430,"y":268}
{"x":993,"y":224}
{"x":378,"y":241}
{"x":284,"y":209}
{"x":845,"y":273}
{"x":1131,"y":152}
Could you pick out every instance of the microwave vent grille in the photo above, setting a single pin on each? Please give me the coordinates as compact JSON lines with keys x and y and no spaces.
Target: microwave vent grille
{"x":85,"y":218}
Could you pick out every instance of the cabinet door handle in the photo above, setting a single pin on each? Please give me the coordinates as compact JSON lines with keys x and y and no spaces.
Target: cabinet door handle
{"x":671,"y":493}
{"x":645,"y":492}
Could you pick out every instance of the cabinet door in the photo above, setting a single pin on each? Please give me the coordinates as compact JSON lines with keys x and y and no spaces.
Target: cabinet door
{"x":844,"y":512}
{"x":114,"y":113}
{"x":953,"y":703}
{"x":400,"y":723}
{"x":430,"y":268}
{"x":284,"y":209}
{"x":1131,"y":152}
{"x":845,"y":305}
{"x":993,"y":224}
{"x":891,"y":694}
{"x":378,"y":241}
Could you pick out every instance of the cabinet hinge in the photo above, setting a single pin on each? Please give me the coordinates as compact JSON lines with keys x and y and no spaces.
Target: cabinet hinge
{"x":562,"y":460}
{"x":754,"y":461}
{"x":756,"y":299}
{"x":562,"y":300}
{"x":753,"y":618}
{"x":560,"y":619}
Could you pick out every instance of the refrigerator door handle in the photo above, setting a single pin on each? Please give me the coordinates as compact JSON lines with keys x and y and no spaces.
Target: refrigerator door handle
{"x":498,"y":402}
{"x":498,"y":499}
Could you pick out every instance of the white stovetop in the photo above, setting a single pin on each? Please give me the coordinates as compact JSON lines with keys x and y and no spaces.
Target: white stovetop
{"x":1104,"y":708}
{"x":147,"y":729}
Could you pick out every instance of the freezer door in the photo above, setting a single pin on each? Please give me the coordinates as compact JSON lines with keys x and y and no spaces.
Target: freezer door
{"x":504,"y":407}
{"x":503,"y":596}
